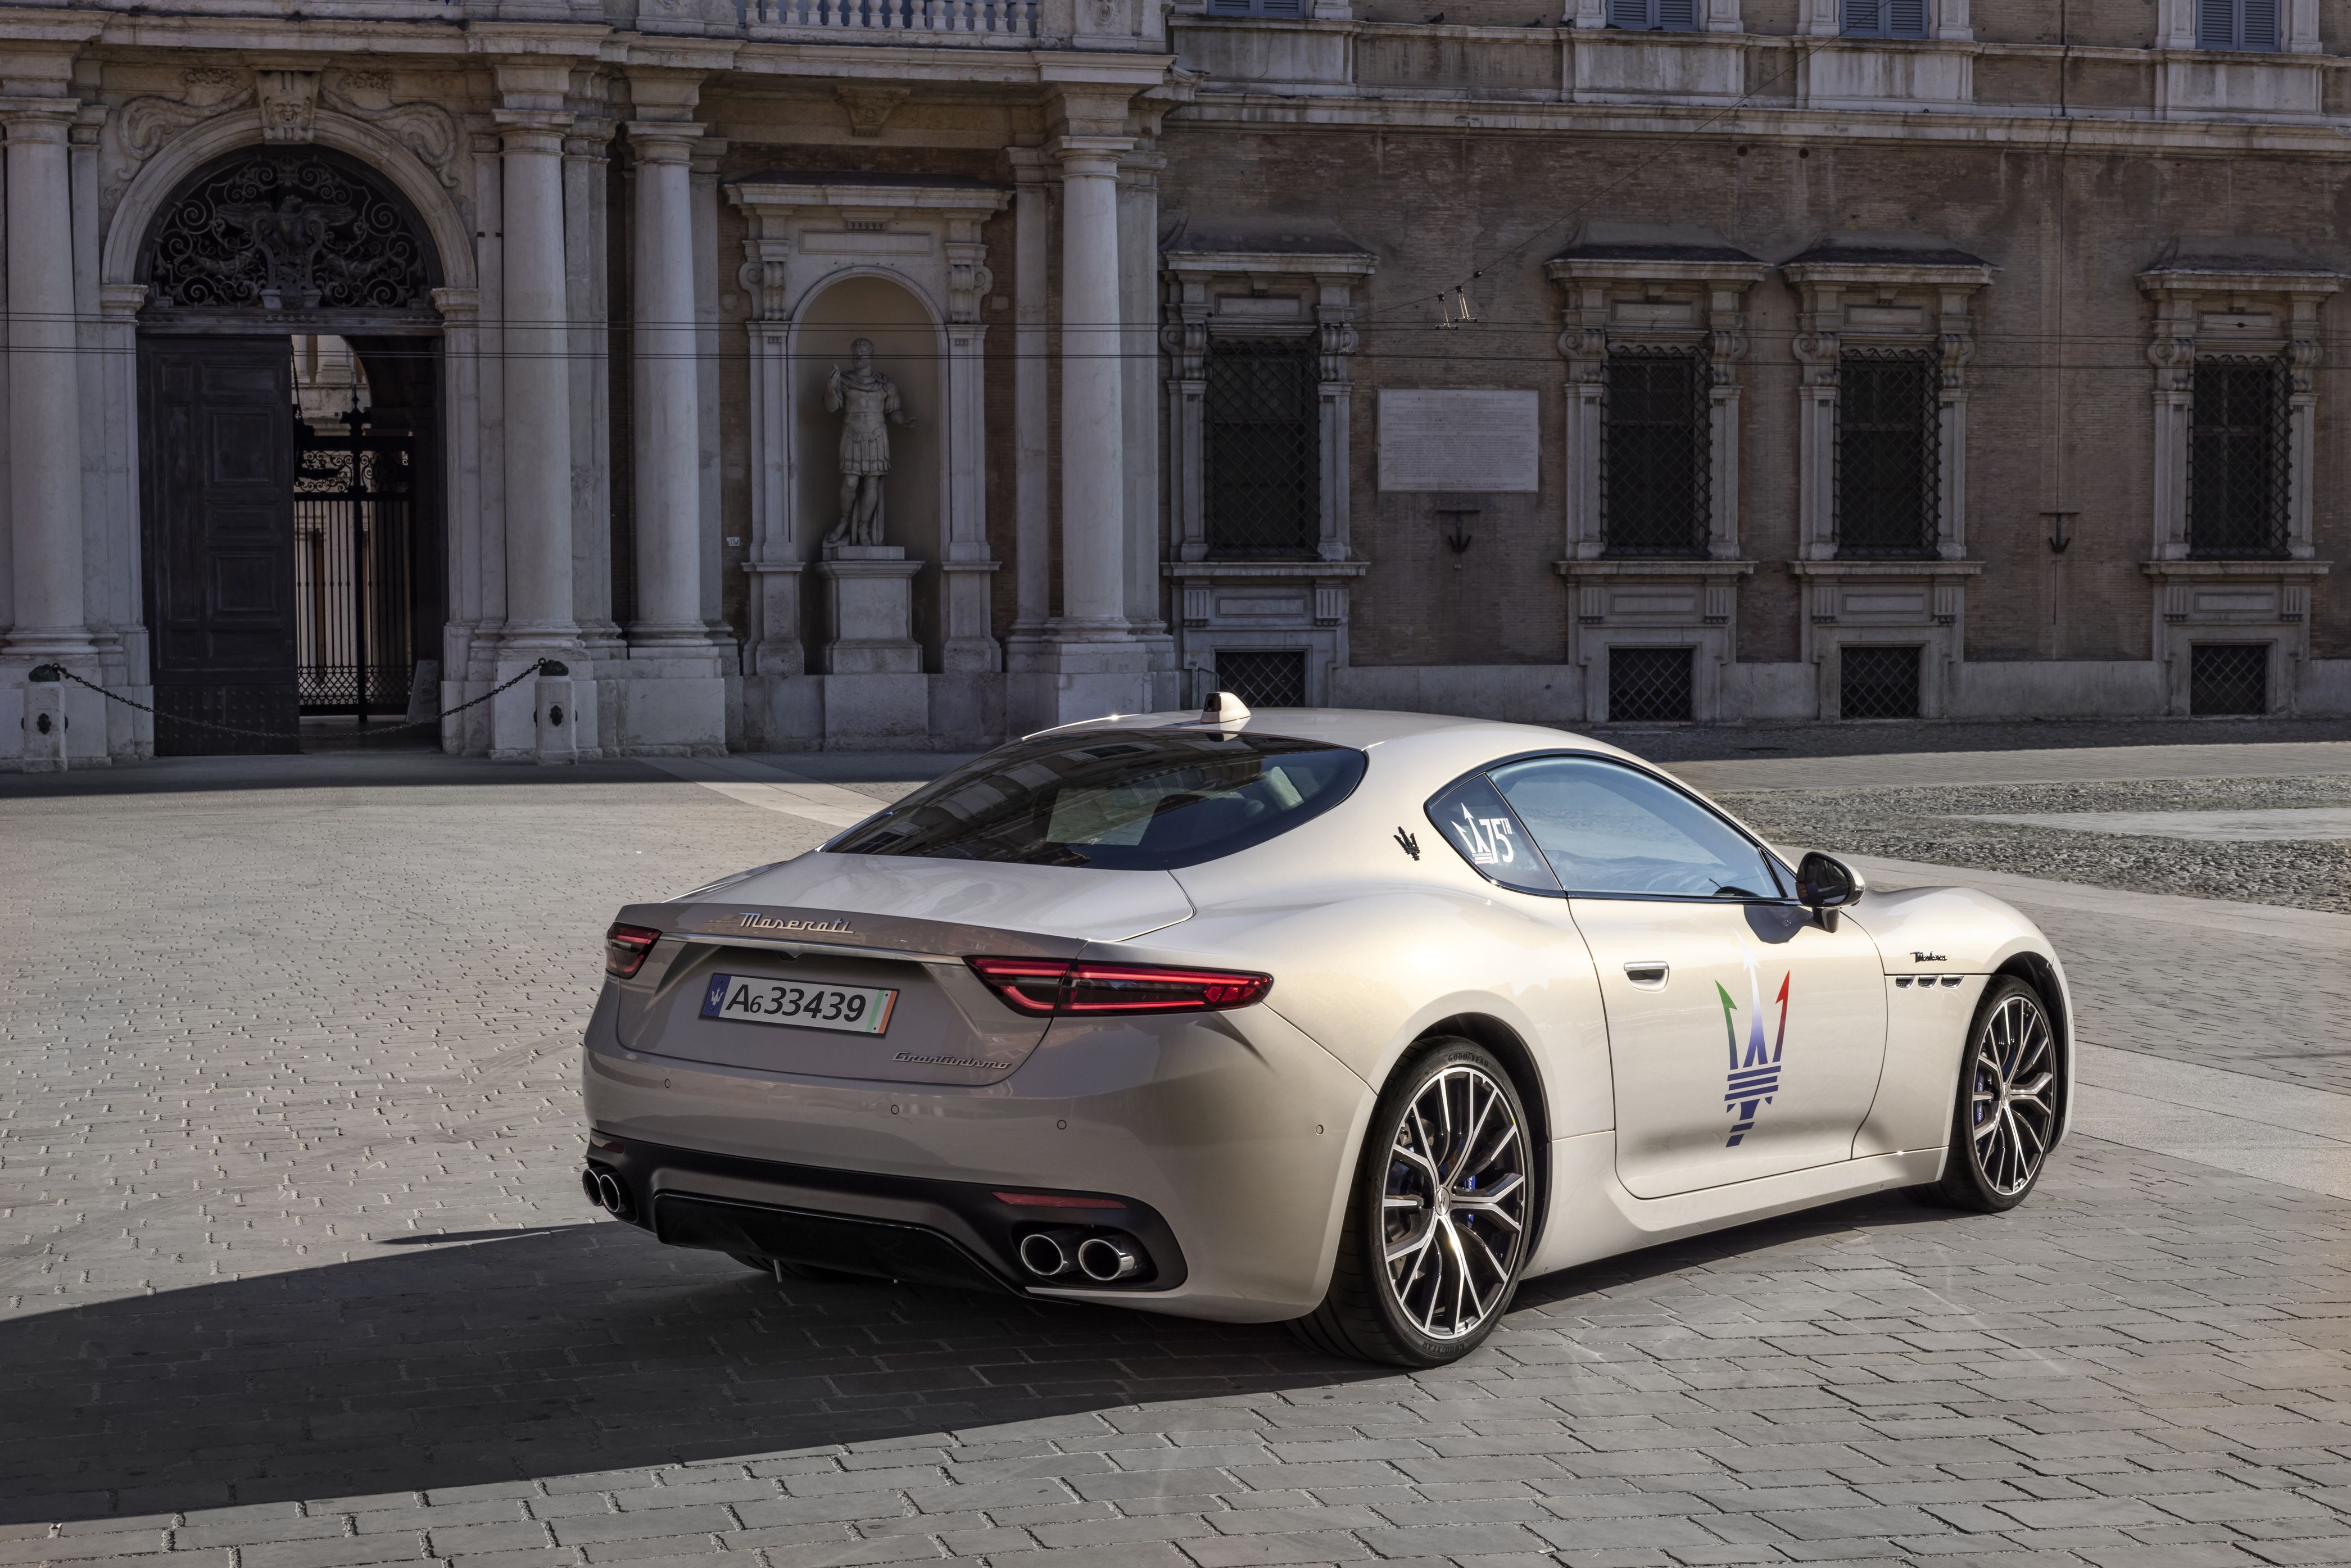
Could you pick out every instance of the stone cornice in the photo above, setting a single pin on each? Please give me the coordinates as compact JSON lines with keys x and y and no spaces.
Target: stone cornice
{"x":1653,"y":566}
{"x":1886,"y":568}
{"x":2214,"y":569}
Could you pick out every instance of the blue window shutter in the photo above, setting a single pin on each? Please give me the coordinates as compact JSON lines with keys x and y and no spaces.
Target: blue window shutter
{"x":1905,"y":18}
{"x":1861,"y":18}
{"x":1632,"y":15}
{"x":2261,"y":29}
{"x":2215,"y":24}
{"x":1228,"y":8}
{"x":1678,"y":15}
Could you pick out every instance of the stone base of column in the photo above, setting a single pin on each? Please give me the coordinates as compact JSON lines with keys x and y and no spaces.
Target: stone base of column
{"x":667,"y":703}
{"x":1054,"y":680}
{"x":877,"y":712}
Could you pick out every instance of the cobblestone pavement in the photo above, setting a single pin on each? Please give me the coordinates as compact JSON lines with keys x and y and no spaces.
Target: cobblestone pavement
{"x":293,"y":1274}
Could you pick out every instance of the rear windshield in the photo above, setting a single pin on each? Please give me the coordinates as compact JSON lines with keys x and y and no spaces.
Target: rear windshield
{"x":1151,"y":800}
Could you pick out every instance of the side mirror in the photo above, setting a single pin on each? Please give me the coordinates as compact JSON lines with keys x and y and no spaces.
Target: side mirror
{"x":1825,"y":884}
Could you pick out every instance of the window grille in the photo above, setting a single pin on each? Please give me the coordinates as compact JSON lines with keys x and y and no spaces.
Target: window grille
{"x":1654,"y":452}
{"x":1889,"y":433}
{"x":1884,"y":18}
{"x":1654,"y":16}
{"x":2240,"y":457}
{"x":1291,"y":8}
{"x":1878,"y":683}
{"x":2237,"y":24}
{"x":1276,"y":679}
{"x":1649,"y":685}
{"x":1264,"y":448}
{"x":2228,"y":678}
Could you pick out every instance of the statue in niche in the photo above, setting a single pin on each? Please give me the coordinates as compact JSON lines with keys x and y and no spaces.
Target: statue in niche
{"x":871,"y":402}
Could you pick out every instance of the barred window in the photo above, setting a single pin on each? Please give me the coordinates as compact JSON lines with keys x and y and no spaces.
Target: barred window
{"x":1272,"y":679}
{"x":2237,"y":24}
{"x":1256,"y":7}
{"x":1264,"y":448}
{"x":1884,"y":18}
{"x":1887,"y":441}
{"x":2239,"y":456}
{"x":1649,"y":685}
{"x":1878,"y":683}
{"x":1653,"y":452}
{"x":2228,"y":678}
{"x":1654,"y":16}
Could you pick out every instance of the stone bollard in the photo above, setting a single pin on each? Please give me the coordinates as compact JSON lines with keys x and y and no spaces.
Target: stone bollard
{"x":558,"y":723}
{"x":45,"y":722}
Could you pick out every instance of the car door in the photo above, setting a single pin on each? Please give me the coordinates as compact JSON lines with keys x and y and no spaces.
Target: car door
{"x":1745,"y":1040}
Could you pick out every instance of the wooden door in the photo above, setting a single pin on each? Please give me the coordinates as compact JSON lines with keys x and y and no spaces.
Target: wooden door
{"x":216,"y":430}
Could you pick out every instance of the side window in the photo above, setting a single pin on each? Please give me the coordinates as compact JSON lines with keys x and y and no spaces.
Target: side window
{"x":1489,"y":835}
{"x":1606,"y":829}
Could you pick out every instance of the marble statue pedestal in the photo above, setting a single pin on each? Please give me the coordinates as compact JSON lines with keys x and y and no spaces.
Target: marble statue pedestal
{"x":875,"y":693}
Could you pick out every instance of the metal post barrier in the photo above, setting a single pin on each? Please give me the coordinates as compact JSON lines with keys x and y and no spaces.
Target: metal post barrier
{"x":45,"y":721}
{"x":558,"y":723}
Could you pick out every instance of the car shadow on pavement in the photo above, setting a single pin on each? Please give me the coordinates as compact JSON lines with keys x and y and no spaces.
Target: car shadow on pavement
{"x":493,"y":1356}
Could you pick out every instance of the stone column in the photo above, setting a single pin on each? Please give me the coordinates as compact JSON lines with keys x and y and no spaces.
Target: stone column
{"x":535,"y":337}
{"x":45,"y":484}
{"x":668,"y":414}
{"x":1093,"y":480}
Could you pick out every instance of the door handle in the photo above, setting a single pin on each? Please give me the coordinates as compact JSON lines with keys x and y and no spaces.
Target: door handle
{"x":1647,"y":974}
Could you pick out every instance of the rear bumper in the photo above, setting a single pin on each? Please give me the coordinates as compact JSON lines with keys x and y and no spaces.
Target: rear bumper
{"x":1232,"y":1131}
{"x":900,"y":1227}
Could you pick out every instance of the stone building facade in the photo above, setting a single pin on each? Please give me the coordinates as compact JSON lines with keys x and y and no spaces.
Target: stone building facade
{"x":1642,"y":360}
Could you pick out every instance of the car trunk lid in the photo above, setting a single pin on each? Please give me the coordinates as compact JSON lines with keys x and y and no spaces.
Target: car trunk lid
{"x":874,"y":923}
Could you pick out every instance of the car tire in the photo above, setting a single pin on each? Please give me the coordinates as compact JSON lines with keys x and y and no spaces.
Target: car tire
{"x":2009,"y":1106}
{"x":1433,"y":1130}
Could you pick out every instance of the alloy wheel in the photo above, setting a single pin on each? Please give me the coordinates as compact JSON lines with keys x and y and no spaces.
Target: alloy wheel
{"x":2012,"y":1112}
{"x":1453,"y":1210}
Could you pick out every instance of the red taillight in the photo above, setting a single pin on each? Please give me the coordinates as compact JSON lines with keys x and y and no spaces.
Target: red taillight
{"x":625,"y":947}
{"x":1042,"y":986}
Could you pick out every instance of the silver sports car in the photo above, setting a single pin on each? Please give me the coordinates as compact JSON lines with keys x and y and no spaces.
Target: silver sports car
{"x":1350,"y":1020}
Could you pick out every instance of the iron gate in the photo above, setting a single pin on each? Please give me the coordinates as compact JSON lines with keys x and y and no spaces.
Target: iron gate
{"x":355,"y":604}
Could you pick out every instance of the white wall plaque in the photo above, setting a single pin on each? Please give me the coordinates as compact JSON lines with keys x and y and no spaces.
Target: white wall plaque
{"x":1460,"y":440}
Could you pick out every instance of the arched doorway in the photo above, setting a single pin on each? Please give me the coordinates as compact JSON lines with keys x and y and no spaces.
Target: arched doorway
{"x":292,"y":550}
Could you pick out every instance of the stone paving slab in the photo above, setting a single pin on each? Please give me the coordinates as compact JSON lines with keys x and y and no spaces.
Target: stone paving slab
{"x":293,"y":1274}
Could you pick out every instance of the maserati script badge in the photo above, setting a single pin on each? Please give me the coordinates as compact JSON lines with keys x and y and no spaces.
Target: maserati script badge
{"x":771,"y":923}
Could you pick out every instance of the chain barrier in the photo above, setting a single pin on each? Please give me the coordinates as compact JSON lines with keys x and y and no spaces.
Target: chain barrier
{"x":59,"y":672}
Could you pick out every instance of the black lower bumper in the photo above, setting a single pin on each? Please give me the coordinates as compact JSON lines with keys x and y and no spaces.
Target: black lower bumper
{"x":964,"y":1234}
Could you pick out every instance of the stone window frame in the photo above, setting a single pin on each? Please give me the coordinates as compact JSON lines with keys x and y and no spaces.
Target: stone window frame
{"x":2199,"y":311}
{"x":1889,"y":303}
{"x":1947,"y":21}
{"x":2297,"y":28}
{"x":1322,"y":288}
{"x":1606,"y":300}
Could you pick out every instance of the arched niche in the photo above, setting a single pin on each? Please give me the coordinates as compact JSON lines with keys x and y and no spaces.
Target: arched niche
{"x":909,"y":349}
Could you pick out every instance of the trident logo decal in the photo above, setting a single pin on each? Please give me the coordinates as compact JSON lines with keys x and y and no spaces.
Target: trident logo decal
{"x":1755,"y":1079}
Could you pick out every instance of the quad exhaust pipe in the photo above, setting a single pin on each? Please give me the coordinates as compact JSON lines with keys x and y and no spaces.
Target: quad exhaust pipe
{"x":1103,"y":1257}
{"x":606,"y":1192}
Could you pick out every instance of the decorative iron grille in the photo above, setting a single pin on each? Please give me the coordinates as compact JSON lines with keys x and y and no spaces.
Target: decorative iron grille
{"x":1649,"y":685}
{"x":1888,"y":436}
{"x":1876,"y":681}
{"x":279,"y":230}
{"x":1264,"y":447}
{"x":2228,"y":678}
{"x":354,"y":610}
{"x":2240,"y":457}
{"x":1654,"y":457}
{"x":1271,"y":679}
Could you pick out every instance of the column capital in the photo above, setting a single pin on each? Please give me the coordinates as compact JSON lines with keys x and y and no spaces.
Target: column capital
{"x":1090,"y":155}
{"x":121,"y":301}
{"x":532,"y":130}
{"x":664,"y":141}
{"x":40,"y":118}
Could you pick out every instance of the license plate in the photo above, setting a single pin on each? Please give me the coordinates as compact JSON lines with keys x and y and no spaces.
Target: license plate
{"x":761,"y":999}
